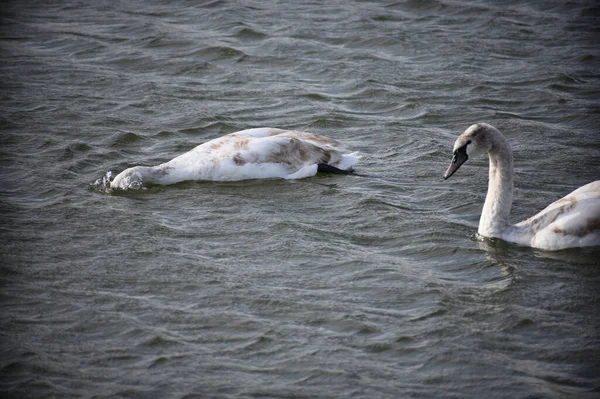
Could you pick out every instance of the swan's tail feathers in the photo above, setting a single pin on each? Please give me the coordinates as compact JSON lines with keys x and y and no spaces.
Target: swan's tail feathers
{"x":325,"y":168}
{"x":341,"y":167}
{"x":348,"y":160}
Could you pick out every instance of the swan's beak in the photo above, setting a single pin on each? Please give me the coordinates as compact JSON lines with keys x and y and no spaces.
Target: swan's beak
{"x":460,"y":156}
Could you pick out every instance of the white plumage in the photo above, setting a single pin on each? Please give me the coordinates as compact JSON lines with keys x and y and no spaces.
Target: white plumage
{"x":260,"y":153}
{"x":572,"y":221}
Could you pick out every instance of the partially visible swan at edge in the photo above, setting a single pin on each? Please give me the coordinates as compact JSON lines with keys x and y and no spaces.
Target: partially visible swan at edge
{"x":572,"y":221}
{"x":259,"y":153}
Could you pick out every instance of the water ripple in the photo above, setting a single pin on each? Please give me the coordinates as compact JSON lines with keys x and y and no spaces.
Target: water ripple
{"x":335,"y":286}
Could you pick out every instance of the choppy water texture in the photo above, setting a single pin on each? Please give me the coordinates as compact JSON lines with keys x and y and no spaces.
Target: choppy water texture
{"x":332,"y":286}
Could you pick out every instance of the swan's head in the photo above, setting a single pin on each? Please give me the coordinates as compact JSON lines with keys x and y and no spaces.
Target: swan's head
{"x":128,"y":179}
{"x":478,"y":139}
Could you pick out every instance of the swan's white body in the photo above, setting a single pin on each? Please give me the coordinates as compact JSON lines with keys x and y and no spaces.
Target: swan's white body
{"x":572,"y":221}
{"x":260,"y":153}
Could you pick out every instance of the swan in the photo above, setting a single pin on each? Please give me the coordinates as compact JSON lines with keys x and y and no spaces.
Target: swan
{"x":572,"y":221}
{"x":259,"y":153}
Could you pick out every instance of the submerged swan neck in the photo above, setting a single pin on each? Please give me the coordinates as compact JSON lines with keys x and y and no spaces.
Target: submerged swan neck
{"x":494,"y":217}
{"x":137,"y":176}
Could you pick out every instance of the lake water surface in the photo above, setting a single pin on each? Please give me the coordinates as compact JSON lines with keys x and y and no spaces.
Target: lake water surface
{"x":329,"y":287}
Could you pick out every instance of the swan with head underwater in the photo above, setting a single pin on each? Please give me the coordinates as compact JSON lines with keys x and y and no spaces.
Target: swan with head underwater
{"x":572,"y":221}
{"x":261,"y":153}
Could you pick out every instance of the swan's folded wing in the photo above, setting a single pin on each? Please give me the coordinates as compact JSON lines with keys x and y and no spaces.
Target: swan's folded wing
{"x":314,"y":139}
{"x":268,"y":132}
{"x":551,"y":213}
{"x":571,"y":221}
{"x":282,"y":150}
{"x":582,"y":218}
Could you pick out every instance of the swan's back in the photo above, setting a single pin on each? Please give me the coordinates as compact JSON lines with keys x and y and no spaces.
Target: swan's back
{"x":315,"y":139}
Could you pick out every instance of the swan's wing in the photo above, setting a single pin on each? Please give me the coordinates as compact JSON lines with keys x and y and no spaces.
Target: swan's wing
{"x":577,"y":227}
{"x":268,"y":145}
{"x":315,"y":139}
{"x":579,"y":200}
{"x":573,"y":220}
{"x":264,"y":132}
{"x":293,"y":152}
{"x":220,"y":145}
{"x":582,"y":219}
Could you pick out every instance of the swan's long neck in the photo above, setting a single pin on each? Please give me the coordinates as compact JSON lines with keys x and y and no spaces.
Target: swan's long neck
{"x":494,"y":218}
{"x":151,"y":174}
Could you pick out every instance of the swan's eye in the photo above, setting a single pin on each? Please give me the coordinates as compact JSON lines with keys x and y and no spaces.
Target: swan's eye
{"x":460,"y":155}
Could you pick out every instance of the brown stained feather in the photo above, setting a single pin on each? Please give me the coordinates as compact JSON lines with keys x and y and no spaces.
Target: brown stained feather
{"x":241,"y":144}
{"x":237,"y":158}
{"x":217,"y":144}
{"x":569,"y":200}
{"x":297,"y":152}
{"x":319,"y":140}
{"x":536,"y":222}
{"x":592,"y":225}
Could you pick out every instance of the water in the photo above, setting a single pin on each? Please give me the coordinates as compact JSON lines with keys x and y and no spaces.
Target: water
{"x":332,"y":286}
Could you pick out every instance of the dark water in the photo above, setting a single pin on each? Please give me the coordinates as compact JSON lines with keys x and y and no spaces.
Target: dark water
{"x":332,"y":286}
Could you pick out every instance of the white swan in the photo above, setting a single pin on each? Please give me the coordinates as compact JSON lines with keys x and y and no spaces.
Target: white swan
{"x":260,"y":153}
{"x":572,"y":221}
